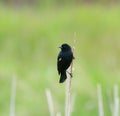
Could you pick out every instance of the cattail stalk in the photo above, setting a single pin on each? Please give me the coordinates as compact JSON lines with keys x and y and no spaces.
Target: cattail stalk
{"x":50,"y":102}
{"x":100,"y":101}
{"x":116,"y":102}
{"x":68,"y":86}
{"x":13,"y":95}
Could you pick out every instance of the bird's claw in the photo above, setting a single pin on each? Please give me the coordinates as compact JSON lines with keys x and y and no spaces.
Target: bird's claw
{"x":71,"y":75}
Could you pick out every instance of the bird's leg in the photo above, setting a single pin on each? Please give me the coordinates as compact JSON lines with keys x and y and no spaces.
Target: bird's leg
{"x":69,"y":74}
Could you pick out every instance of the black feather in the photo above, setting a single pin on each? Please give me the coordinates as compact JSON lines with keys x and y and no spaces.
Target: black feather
{"x":64,"y":60}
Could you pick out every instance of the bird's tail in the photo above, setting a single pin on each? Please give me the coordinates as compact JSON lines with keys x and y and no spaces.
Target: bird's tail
{"x":63,"y":77}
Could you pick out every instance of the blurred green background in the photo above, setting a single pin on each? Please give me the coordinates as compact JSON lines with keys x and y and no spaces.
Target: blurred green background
{"x":30,"y":33}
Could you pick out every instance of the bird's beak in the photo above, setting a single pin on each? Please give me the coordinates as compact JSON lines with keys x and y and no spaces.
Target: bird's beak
{"x":59,"y":47}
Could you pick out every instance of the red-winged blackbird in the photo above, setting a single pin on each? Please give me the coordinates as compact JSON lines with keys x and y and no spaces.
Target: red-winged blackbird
{"x":64,"y":60}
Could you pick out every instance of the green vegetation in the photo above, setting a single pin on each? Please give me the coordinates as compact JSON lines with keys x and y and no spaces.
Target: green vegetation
{"x":28,"y":49}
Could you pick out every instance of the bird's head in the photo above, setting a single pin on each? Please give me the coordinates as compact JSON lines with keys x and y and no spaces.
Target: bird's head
{"x":65,"y":47}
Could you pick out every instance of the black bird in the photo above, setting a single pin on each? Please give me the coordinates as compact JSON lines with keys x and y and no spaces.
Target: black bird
{"x":64,"y":60}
